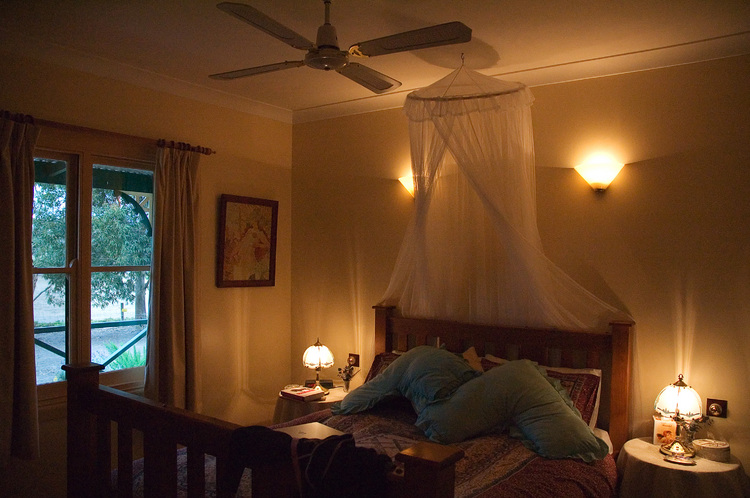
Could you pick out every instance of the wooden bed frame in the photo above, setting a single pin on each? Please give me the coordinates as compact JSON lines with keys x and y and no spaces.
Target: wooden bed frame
{"x":102,"y":420}
{"x":608,"y":352}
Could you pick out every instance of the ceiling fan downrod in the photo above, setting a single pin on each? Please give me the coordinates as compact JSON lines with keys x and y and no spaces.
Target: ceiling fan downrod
{"x":326,"y":55}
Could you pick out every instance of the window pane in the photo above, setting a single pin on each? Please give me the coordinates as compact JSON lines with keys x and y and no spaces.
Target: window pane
{"x":50,"y":324}
{"x":119,"y":316}
{"x":121,"y":216}
{"x":48,"y":239}
{"x":48,"y":232}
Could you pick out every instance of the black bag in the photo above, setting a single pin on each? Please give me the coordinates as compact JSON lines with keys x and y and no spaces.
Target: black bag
{"x":324,"y":468}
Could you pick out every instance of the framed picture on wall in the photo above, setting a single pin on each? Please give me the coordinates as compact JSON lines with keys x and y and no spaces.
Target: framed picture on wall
{"x":246,"y":248}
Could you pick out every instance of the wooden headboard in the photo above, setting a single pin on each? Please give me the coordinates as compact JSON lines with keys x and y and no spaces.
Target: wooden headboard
{"x":609,"y":352}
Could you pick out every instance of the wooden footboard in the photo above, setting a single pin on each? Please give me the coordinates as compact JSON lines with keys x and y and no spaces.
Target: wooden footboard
{"x":94,"y":410}
{"x":91,"y":410}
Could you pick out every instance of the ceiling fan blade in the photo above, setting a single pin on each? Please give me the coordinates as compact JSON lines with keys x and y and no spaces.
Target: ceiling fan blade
{"x":433,"y":36}
{"x":264,"y":23}
{"x":252,"y":71}
{"x":369,"y":78}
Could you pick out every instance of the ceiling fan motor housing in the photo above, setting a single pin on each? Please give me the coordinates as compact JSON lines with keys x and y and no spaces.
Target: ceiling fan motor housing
{"x":326,"y":59}
{"x":326,"y":55}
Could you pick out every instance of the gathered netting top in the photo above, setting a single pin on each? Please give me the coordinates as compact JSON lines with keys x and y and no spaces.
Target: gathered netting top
{"x":472,"y":251}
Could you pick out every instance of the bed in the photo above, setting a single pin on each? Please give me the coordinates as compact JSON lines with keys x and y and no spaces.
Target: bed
{"x":102,"y":423}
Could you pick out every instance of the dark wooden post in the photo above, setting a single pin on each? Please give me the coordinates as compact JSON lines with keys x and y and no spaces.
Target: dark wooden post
{"x":620,"y":382}
{"x":429,"y":470}
{"x":83,"y":381}
{"x":383,"y":339}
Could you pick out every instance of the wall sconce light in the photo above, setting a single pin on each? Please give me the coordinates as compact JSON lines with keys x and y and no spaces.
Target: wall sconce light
{"x":599,"y":170}
{"x":318,"y":357}
{"x":408,"y":183}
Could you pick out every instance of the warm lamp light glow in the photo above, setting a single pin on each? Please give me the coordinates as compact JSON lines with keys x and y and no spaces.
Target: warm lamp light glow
{"x":408,"y":183}
{"x":317,"y":357}
{"x":599,"y":170}
{"x":678,"y":399}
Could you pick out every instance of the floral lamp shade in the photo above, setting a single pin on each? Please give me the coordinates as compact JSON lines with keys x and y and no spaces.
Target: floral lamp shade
{"x":317,"y":357}
{"x":678,"y":400}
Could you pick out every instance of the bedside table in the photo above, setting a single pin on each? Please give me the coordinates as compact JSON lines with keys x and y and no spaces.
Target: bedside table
{"x":642,"y":472}
{"x":289,"y":409}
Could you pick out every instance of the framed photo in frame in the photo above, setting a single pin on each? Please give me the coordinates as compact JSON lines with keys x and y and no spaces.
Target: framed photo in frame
{"x":246,"y":248}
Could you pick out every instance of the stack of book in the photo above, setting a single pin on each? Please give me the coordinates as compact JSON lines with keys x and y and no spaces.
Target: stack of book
{"x":302,"y":393}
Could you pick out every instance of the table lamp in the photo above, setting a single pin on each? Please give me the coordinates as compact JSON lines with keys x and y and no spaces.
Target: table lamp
{"x":680,"y":403}
{"x":318,"y":357}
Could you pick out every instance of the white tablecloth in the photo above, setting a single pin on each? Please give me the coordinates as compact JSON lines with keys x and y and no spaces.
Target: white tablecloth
{"x":643,"y":472}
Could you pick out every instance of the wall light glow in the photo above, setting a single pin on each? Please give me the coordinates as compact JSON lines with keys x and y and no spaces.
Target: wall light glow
{"x":599,"y":170}
{"x":408,"y":183}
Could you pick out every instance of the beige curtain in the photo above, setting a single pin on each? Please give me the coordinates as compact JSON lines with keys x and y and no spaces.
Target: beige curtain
{"x":173,"y":343}
{"x":19,"y":423}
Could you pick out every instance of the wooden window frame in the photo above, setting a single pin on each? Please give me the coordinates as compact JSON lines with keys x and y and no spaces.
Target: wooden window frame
{"x":87,"y":147}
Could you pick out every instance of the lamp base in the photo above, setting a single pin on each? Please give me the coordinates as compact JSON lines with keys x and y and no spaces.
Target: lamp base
{"x":682,"y":460}
{"x":324,"y":383}
{"x":677,"y":449}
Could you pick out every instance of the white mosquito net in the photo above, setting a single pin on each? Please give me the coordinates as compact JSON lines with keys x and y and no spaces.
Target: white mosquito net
{"x":472,"y":251}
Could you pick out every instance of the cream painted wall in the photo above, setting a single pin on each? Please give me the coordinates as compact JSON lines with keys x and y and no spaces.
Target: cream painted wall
{"x":669,"y":242}
{"x":245,"y":332}
{"x":350,"y":213}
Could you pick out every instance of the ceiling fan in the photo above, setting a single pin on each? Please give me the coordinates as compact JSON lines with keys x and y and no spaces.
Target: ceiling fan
{"x":325,"y":53}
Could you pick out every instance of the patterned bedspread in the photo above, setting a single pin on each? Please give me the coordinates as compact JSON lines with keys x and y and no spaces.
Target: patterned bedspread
{"x":495,"y":465}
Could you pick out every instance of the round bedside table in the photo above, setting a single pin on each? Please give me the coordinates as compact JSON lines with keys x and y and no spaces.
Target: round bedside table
{"x":643,"y":472}
{"x":289,"y":409}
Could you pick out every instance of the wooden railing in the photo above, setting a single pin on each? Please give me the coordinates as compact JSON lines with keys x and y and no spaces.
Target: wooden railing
{"x":428,"y":469}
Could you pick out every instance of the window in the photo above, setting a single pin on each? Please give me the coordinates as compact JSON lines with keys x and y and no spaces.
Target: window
{"x":91,"y":252}
{"x":50,"y":253}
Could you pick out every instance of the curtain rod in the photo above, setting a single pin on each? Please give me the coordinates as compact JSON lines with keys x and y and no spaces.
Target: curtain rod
{"x":17,"y":117}
{"x":159,"y":143}
{"x":184,"y":146}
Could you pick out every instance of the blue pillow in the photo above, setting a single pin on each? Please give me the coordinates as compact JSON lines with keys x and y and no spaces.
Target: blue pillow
{"x":516,"y":393}
{"x":424,"y":375}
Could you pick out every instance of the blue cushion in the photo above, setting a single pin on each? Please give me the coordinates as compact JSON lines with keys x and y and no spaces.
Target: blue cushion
{"x":424,"y":375}
{"x":517,"y":393}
